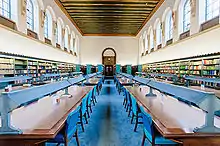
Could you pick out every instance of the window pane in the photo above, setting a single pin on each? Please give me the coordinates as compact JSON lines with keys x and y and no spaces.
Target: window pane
{"x":211,"y":9}
{"x":30,"y":15}
{"x":159,"y":34}
{"x":5,"y":8}
{"x":186,"y":16}
{"x":46,"y":31}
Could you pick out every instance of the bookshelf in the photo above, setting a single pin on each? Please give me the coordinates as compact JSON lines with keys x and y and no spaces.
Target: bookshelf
{"x":204,"y":66}
{"x":11,"y":66}
{"x":6,"y":67}
{"x":21,"y":67}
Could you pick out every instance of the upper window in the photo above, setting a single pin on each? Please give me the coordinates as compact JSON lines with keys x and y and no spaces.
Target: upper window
{"x":211,"y":9}
{"x":66,"y":39}
{"x":159,"y":34}
{"x":169,"y":26}
{"x":5,"y":8}
{"x":59,"y":33}
{"x":186,"y":16}
{"x":72,"y":43}
{"x":146,"y":43}
{"x":46,"y":27}
{"x":30,"y":15}
{"x":151,"y":39}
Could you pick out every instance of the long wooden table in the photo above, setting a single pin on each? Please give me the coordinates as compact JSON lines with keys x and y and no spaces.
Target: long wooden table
{"x":174,"y":119}
{"x":42,"y":120}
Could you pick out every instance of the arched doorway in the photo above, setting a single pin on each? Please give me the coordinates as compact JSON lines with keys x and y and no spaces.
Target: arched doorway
{"x":109,"y":60}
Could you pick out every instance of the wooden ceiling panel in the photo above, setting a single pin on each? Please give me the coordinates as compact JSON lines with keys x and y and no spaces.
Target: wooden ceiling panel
{"x":109,"y":17}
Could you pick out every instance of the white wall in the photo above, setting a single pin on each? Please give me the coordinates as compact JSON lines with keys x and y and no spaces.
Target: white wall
{"x":200,"y":43}
{"x":205,"y":43}
{"x":13,"y":42}
{"x":125,"y":47}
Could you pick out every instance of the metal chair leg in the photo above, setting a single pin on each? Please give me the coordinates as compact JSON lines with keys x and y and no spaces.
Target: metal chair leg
{"x":132,"y":118}
{"x":136,"y":124}
{"x":129,"y":112}
{"x":77,"y":138}
{"x":86,"y":118}
{"x":143,"y":140}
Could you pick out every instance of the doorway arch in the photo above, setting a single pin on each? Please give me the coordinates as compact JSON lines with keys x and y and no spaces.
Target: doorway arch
{"x":109,"y":56}
{"x":109,"y":60}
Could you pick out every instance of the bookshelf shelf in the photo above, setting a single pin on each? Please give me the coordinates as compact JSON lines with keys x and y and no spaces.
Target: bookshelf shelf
{"x":207,"y":65}
{"x":15,"y":66}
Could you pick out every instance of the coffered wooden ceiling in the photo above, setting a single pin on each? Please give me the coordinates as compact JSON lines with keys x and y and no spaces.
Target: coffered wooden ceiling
{"x":109,"y":17}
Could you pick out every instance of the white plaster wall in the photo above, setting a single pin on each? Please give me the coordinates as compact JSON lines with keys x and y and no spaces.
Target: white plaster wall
{"x":205,"y":43}
{"x":12,"y":42}
{"x":125,"y":47}
{"x":16,"y":42}
{"x":199,"y":43}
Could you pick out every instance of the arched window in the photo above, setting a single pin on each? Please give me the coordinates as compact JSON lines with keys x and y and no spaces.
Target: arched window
{"x":59,"y":32}
{"x":158,"y":34}
{"x":186,"y":15}
{"x":72,"y":43}
{"x":48,"y":25}
{"x":151,"y":39}
{"x":146,"y":43}
{"x":66,"y":43}
{"x":5,"y":8}
{"x":211,"y":9}
{"x":30,"y":15}
{"x":169,"y":26}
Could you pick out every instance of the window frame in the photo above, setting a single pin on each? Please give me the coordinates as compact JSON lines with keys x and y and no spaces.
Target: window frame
{"x":211,"y":11}
{"x":2,"y":10}
{"x":158,"y":32}
{"x":32,"y":16}
{"x":186,"y":22}
{"x":46,"y":26}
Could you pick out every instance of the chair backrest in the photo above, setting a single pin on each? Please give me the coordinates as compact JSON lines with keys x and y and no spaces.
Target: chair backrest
{"x":133,"y":104}
{"x":83,"y":104}
{"x":71,"y":123}
{"x":147,"y":122}
{"x":94,"y":91}
{"x":128,"y":97}
{"x":89,"y":97}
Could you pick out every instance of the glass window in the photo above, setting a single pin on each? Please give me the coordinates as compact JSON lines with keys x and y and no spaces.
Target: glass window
{"x":46,"y":27}
{"x":211,"y":9}
{"x":169,"y":26}
{"x":186,"y":16}
{"x":146,"y":43}
{"x":151,"y":39}
{"x":5,"y":8}
{"x":159,"y":34}
{"x":57,"y":35}
{"x":66,"y":39}
{"x":30,"y":15}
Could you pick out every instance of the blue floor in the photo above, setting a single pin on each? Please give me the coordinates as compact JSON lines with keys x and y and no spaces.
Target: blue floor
{"x":109,"y":124}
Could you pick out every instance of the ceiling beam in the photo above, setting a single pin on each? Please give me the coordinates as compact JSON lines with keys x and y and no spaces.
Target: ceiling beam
{"x":109,"y":11}
{"x":108,"y":5}
{"x":140,"y":1}
{"x":108,"y":8}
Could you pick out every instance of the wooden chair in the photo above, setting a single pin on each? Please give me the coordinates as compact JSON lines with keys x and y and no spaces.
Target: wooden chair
{"x":69,"y":130}
{"x":150,"y":132}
